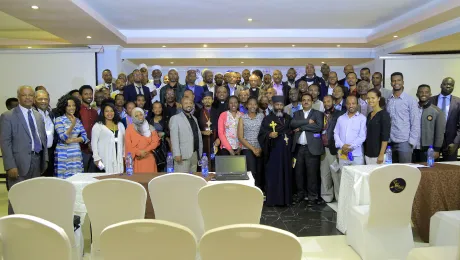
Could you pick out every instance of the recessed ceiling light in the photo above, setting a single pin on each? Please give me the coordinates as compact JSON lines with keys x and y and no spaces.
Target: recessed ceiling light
{"x":249,"y":19}
{"x":88,"y":37}
{"x":242,"y":62}
{"x":322,"y":62}
{"x":172,"y":62}
{"x":29,"y":47}
{"x":205,"y":45}
{"x":338,"y":45}
{"x":395,"y":36}
{"x":293,"y":45}
{"x":245,"y":46}
{"x":164,"y":46}
{"x":34,"y":7}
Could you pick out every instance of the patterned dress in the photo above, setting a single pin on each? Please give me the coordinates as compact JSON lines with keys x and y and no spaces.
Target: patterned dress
{"x":68,"y":158}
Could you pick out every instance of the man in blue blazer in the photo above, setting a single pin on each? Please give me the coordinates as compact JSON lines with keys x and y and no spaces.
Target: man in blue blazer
{"x":198,"y":91}
{"x":130,"y":92}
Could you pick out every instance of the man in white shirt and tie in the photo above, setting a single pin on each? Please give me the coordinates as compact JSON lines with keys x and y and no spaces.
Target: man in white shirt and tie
{"x":107,"y":77}
{"x":41,"y":103}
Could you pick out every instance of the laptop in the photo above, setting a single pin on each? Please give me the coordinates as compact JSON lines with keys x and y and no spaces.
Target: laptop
{"x":231,"y":168}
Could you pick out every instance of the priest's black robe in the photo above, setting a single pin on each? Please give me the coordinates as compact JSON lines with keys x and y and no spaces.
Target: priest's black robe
{"x":278,"y":159}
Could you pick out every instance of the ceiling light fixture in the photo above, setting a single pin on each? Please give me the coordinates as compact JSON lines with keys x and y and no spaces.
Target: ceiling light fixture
{"x":88,"y":37}
{"x":29,"y":47}
{"x":322,"y":62}
{"x":172,"y":62}
{"x":338,"y":45}
{"x":205,"y":45}
{"x":249,"y":19}
{"x":34,"y":7}
{"x":293,"y":45}
{"x":164,"y":46}
{"x":245,"y":46}
{"x":242,"y":62}
{"x":395,"y":36}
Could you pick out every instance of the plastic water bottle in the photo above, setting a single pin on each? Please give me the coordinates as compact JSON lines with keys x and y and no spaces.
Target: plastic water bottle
{"x":388,"y":155}
{"x":129,"y":165}
{"x":169,"y":163}
{"x":350,"y":156}
{"x":430,"y":156}
{"x":204,"y":166}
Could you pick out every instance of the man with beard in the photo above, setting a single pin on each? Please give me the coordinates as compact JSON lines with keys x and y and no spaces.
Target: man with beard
{"x":263,"y":106}
{"x":450,"y":105}
{"x":120,"y":86}
{"x":219,"y":79}
{"x":311,"y":78}
{"x":325,"y":70}
{"x":433,"y":126}
{"x":221,"y":102}
{"x":130,"y":92}
{"x":303,"y":88}
{"x":295,"y":105}
{"x":107,"y":77}
{"x":307,"y":125}
{"x":207,"y":120}
{"x":352,"y":79}
{"x":275,"y":139}
{"x":290,"y":83}
{"x":174,"y":85}
{"x":190,"y":85}
{"x":88,"y":117}
{"x":313,"y":90}
{"x":365,"y":74}
{"x":171,"y":107}
{"x":254,"y":89}
{"x":278,"y":84}
{"x":347,"y":69}
{"x":330,"y":180}
{"x":377,"y":83}
{"x":120,"y":105}
{"x":156,"y":82}
{"x":246,"y":74}
{"x":209,"y":85}
{"x":42,"y":104}
{"x":98,"y":98}
{"x":271,"y":92}
{"x":339,"y":102}
{"x":238,"y":78}
{"x":405,"y":121}
{"x":267,"y":82}
{"x":197,"y":106}
{"x":183,"y":127}
{"x":243,"y":96}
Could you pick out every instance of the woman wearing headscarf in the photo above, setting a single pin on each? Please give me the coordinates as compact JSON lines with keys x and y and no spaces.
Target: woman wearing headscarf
{"x":140,"y":140}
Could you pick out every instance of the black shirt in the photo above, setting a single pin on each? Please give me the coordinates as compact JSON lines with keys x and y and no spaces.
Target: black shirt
{"x":169,"y":111}
{"x":378,"y":130}
{"x":254,"y":93}
{"x":194,"y":126}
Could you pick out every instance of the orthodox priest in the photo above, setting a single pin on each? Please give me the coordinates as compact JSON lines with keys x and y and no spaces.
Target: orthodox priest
{"x":207,"y":120}
{"x":275,"y":140}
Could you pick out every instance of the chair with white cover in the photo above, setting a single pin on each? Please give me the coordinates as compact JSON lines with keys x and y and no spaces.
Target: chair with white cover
{"x":226,"y":204}
{"x":435,"y":253}
{"x":445,"y":228}
{"x":112,"y":201}
{"x":29,"y":237}
{"x":147,"y":239}
{"x":382,"y":230}
{"x":175,"y":198}
{"x":51,"y":199}
{"x":249,"y":242}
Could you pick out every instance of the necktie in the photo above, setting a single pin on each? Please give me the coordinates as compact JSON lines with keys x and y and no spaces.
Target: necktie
{"x":37,"y":146}
{"x":139,"y":89}
{"x":444,"y":106}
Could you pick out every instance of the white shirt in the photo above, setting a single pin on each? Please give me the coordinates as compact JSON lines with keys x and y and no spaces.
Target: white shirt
{"x":303,"y":137}
{"x":364,"y":107}
{"x":157,"y":97}
{"x":151,"y":86}
{"x":330,"y":90}
{"x":104,"y":85}
{"x":25,"y":112}
{"x":49,"y":127}
{"x":139,"y":89}
{"x":232,"y":89}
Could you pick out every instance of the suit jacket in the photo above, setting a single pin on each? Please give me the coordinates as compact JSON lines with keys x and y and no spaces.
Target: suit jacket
{"x":179,"y":90}
{"x":286,"y":89}
{"x":330,"y":131}
{"x":316,"y":80}
{"x":112,"y":89}
{"x":342,"y":81}
{"x":452,"y":134}
{"x":312,"y":131}
{"x":181,"y":136}
{"x":16,"y":141}
{"x":130,"y":94}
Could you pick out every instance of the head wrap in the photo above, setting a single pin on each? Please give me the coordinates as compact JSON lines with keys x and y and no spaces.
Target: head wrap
{"x":208,"y":94}
{"x":278,"y":99}
{"x":142,"y":127}
{"x":156,"y":67}
{"x":142,"y":66}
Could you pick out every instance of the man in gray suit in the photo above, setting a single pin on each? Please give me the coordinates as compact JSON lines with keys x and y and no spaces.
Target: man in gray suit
{"x":450,"y":105}
{"x":187,"y":145}
{"x":308,"y":148}
{"x":23,"y":140}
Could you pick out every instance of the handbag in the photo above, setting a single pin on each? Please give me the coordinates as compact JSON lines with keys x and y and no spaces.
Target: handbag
{"x":160,"y":154}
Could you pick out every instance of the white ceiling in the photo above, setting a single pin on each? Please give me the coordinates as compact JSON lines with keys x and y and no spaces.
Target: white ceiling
{"x":221,"y":14}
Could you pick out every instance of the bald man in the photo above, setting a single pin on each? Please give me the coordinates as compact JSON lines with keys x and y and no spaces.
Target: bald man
{"x":311,"y":78}
{"x":347,"y":69}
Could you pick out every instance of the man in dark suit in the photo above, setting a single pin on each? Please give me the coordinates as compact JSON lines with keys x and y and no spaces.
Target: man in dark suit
{"x":331,"y":84}
{"x":197,"y":91}
{"x":107,"y":77}
{"x":330,"y":181}
{"x":131,"y":91}
{"x":450,"y":105}
{"x":307,"y":125}
{"x":310,"y":77}
{"x":347,"y":69}
{"x":23,"y":140}
{"x":289,"y":84}
{"x":338,"y":98}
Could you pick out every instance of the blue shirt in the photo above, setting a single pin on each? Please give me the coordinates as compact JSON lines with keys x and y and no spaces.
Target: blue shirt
{"x":243,"y":109}
{"x":338,"y":107}
{"x":296,"y":108}
{"x":405,"y":119}
{"x":352,"y":131}
{"x":441,"y":100}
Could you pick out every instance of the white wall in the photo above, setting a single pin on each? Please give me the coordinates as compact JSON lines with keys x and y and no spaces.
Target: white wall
{"x":423,"y":69}
{"x":59,"y":72}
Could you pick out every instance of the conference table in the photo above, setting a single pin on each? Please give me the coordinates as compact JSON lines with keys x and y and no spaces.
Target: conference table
{"x":80,"y":181}
{"x":439,"y":190}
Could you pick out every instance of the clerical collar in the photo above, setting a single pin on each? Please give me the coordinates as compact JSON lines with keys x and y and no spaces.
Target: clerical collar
{"x":222,"y":102}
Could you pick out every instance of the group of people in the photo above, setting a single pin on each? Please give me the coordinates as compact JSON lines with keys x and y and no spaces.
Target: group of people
{"x":291,"y":132}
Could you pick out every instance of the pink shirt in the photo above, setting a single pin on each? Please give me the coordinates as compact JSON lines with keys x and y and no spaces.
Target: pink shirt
{"x":228,"y":128}
{"x":278,"y":88}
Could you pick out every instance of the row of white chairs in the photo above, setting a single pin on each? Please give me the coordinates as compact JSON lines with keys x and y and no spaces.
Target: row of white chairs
{"x":184,"y":199}
{"x":28,"y":237}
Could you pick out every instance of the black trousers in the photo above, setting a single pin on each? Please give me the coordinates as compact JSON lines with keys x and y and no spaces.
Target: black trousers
{"x":306,"y":172}
{"x":224,"y":151}
{"x":255,"y":165}
{"x":49,"y":172}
